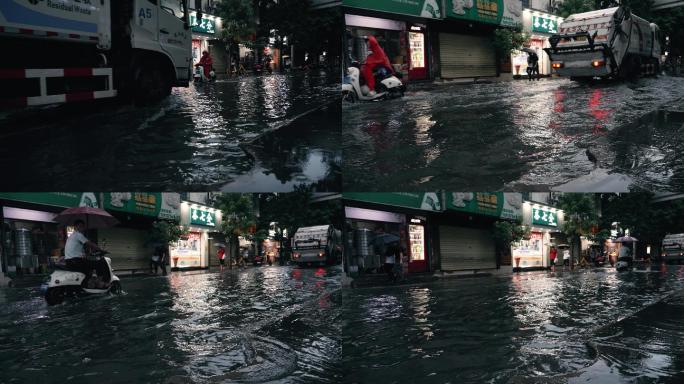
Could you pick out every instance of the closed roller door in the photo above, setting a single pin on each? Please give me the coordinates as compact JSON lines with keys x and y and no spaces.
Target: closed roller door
{"x":466,"y":56}
{"x":466,"y":248}
{"x":126,"y":247}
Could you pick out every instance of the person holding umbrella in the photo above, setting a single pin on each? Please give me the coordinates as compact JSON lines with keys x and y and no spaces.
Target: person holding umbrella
{"x":74,"y":251}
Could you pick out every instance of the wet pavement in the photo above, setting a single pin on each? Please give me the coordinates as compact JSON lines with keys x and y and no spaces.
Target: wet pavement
{"x":200,"y":137}
{"x":519,"y":135}
{"x":261,"y":324}
{"x":593,"y":326}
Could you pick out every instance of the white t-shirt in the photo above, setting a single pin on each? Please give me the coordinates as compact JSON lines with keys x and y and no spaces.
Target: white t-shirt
{"x":74,"y":245}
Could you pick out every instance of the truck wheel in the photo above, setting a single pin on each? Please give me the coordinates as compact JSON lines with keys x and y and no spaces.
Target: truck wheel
{"x":151,"y":84}
{"x":54,"y":296}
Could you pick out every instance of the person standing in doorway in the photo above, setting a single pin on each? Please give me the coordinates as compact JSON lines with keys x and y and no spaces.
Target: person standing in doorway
{"x":221,"y":254}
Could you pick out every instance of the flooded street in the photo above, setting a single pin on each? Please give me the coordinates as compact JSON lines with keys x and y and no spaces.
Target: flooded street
{"x":532,"y":327}
{"x":519,"y":135}
{"x":200,"y":137}
{"x":256,"y":325}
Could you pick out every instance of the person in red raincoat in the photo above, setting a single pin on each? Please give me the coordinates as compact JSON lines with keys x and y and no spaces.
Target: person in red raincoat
{"x":377,"y":57}
{"x":206,"y":62}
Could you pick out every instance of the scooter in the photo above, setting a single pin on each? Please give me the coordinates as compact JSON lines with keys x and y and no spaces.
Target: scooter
{"x":388,"y":85}
{"x":624,"y":264}
{"x":200,"y":77}
{"x":64,"y":282}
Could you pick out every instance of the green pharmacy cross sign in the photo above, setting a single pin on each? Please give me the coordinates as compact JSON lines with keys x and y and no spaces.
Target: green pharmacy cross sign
{"x":203,"y":25}
{"x":200,"y":216}
{"x":541,"y":216}
{"x":544,"y":24}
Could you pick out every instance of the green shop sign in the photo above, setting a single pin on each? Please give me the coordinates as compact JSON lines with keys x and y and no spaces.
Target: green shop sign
{"x":59,"y":199}
{"x":429,"y":9}
{"x":200,"y":216}
{"x":140,"y":203}
{"x":429,"y":201}
{"x":542,"y":216}
{"x":203,"y":25}
{"x":499,"y":12}
{"x":544,"y":24}
{"x":496,"y":204}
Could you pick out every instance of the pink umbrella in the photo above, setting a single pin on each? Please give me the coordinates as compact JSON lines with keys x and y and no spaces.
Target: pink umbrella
{"x":93,"y":217}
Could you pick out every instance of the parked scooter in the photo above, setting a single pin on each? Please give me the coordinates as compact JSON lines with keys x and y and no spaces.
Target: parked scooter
{"x":64,"y":282}
{"x":200,"y":77}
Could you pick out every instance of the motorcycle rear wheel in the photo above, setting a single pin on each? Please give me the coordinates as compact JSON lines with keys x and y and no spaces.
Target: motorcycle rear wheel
{"x":115,"y":288}
{"x":55,"y":296}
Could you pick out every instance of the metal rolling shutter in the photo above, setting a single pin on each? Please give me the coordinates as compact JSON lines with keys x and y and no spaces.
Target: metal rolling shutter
{"x":466,"y":56}
{"x":466,"y":248}
{"x":126,"y":247}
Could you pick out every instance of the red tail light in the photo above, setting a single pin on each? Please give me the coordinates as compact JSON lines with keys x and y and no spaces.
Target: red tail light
{"x":295,"y":255}
{"x":598,"y":63}
{"x":557,"y":65}
{"x":321,"y":254}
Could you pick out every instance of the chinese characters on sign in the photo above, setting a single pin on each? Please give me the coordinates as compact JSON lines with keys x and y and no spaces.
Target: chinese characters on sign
{"x":541,"y":216}
{"x":544,"y":24}
{"x":201,"y":217}
{"x":203,"y":25}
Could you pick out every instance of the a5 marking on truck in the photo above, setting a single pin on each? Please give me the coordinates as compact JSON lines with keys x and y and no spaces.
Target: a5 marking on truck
{"x":57,"y":51}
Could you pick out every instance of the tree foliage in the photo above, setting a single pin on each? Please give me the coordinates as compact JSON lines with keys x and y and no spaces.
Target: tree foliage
{"x":508,"y":40}
{"x":239,"y":216}
{"x":506,"y":232}
{"x":165,"y":232}
{"x":295,"y":209}
{"x":569,"y":7}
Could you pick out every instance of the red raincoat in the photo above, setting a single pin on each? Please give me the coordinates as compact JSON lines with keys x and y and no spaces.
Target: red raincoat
{"x":378,"y":57}
{"x":206,"y":62}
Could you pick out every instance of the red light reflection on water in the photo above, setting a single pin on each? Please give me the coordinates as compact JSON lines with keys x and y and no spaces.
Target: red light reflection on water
{"x":600,"y":114}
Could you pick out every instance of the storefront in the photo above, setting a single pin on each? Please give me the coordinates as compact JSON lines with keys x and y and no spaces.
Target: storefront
{"x":401,"y":29}
{"x":30,"y":239}
{"x":540,"y":26}
{"x":194,"y":250}
{"x":545,"y":225}
{"x":465,"y":231}
{"x":205,"y":37}
{"x":128,"y":243}
{"x":377,"y":223}
{"x":465,"y":37}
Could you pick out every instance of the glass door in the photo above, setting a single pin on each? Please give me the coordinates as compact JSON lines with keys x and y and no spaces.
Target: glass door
{"x":417,"y":68}
{"x":417,"y":262}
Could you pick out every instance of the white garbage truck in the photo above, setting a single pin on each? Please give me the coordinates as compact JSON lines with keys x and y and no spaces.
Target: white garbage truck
{"x":673,"y":248}
{"x":607,"y":43}
{"x":57,"y":51}
{"x":318,"y":245}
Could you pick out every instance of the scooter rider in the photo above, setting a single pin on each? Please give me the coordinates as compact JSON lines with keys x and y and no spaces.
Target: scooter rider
{"x":206,"y":62}
{"x":74,"y":252}
{"x":376,"y":58}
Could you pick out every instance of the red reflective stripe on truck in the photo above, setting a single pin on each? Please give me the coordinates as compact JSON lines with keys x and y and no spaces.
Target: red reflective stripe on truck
{"x":12,"y":73}
{"x":79,"y":96}
{"x":26,"y":31}
{"x":78,"y":72}
{"x":52,"y":33}
{"x":74,"y":36}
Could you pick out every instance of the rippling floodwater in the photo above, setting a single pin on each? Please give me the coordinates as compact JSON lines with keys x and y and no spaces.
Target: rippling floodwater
{"x":195,"y":139}
{"x":521,"y":328}
{"x":258,"y":325}
{"x":518,"y":136}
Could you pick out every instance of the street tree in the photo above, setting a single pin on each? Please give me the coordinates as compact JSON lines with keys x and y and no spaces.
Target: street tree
{"x":296,"y":209}
{"x":239,"y":218}
{"x":507,"y":40}
{"x":569,"y":7}
{"x":505,"y":233}
{"x":239,"y":24}
{"x":581,"y":216}
{"x":165,"y":232}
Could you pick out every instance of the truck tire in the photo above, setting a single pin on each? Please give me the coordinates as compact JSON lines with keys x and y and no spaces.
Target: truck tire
{"x":55,"y":295}
{"x":151,"y":83}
